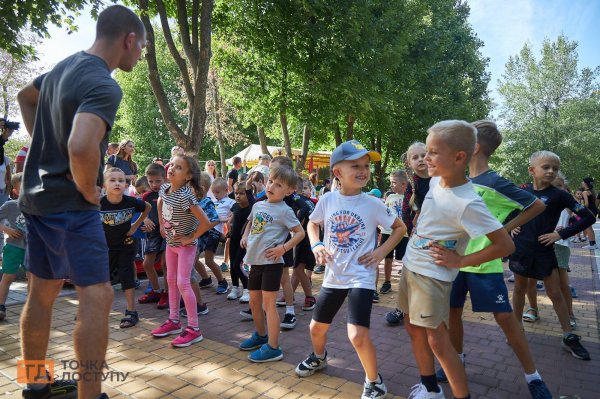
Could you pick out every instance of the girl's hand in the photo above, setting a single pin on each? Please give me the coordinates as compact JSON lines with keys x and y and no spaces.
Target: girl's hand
{"x":244,"y":242}
{"x":371,"y":259}
{"x":445,"y":257}
{"x":322,"y":255}
{"x":185,"y":240}
{"x":275,"y":252}
{"x":148,"y":226}
{"x":549,"y":239}
{"x":163,"y":233}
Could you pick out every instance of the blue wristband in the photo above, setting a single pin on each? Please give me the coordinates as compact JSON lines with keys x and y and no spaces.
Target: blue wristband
{"x":312,"y":248}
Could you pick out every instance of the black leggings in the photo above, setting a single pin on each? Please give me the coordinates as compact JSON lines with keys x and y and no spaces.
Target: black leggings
{"x":236,"y":254}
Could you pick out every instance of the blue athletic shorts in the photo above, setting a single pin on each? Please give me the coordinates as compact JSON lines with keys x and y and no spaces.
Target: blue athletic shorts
{"x":68,"y":245}
{"x":488,"y":292}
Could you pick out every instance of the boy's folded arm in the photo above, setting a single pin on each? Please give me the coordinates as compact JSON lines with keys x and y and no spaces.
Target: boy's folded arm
{"x":312,"y":229}
{"x":502,"y":245}
{"x":528,"y":213}
{"x":297,"y":237}
{"x":398,"y":231}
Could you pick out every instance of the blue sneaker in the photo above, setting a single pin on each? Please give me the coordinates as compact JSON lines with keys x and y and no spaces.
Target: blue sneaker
{"x":148,"y":289}
{"x":538,"y":390}
{"x":222,"y":287}
{"x":224,"y":267}
{"x":573,"y":292}
{"x":254,"y":342}
{"x":266,"y":354}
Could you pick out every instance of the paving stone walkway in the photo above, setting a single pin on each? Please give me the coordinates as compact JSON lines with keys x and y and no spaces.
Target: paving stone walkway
{"x":215,"y":368}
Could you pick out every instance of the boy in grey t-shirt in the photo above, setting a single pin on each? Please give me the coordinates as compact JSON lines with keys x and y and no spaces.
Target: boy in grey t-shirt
{"x":13,"y":254}
{"x":264,"y":239}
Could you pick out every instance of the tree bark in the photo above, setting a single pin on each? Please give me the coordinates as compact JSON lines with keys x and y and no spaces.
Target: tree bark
{"x":350,"y":127}
{"x":286,"y":135}
{"x":305,"y":142}
{"x":217,"y":112}
{"x":337,"y":133}
{"x":262,"y":138}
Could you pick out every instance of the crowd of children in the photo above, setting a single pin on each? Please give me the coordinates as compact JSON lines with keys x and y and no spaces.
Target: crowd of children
{"x":449,"y":230}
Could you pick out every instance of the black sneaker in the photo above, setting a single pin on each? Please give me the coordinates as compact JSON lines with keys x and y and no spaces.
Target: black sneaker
{"x":246,"y":314}
{"x":2,"y":312}
{"x":63,"y":389}
{"x":311,"y":365}
{"x":374,"y":390}
{"x":538,"y":390}
{"x":289,"y":321}
{"x":375,"y":297}
{"x":319,"y":269}
{"x":206,"y":282}
{"x":200,"y":309}
{"x":571,"y":344}
{"x":394,"y":318}
{"x":386,"y":288}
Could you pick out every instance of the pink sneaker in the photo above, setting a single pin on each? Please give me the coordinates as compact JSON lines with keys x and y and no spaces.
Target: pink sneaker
{"x":188,"y":336}
{"x":168,"y":328}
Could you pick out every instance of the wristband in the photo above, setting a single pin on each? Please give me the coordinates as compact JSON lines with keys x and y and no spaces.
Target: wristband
{"x":283,"y":245}
{"x":312,"y":248}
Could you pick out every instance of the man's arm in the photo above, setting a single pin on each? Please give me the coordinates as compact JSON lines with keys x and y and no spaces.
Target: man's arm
{"x":28,"y":100}
{"x":84,"y":154}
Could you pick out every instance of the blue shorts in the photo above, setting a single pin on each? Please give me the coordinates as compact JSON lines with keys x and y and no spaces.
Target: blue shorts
{"x":68,"y":245}
{"x":155,"y":243}
{"x":488,"y":292}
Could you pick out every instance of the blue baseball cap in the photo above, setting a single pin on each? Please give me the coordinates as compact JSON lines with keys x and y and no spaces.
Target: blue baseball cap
{"x":352,"y":150}
{"x":375,"y":193}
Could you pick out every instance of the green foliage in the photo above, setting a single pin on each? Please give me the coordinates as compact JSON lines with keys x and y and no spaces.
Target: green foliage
{"x":36,"y":15}
{"x":550,"y":104}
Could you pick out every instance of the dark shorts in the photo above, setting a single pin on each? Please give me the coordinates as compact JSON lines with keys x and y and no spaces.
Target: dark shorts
{"x":538,"y":266}
{"x":360,"y":303}
{"x":288,"y":258}
{"x":488,"y":292}
{"x":121,"y":261}
{"x":155,"y":243}
{"x":265,"y":277}
{"x":68,"y":245}
{"x":211,"y":243}
{"x":399,"y":249}
{"x":304,"y":255}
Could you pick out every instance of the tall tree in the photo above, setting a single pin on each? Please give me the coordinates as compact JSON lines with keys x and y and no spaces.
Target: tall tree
{"x":549,"y":103}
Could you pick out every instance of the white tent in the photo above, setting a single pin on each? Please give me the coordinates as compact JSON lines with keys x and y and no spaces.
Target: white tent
{"x":250,"y":154}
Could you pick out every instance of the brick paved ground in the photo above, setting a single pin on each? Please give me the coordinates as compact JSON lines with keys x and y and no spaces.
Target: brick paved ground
{"x":215,"y":368}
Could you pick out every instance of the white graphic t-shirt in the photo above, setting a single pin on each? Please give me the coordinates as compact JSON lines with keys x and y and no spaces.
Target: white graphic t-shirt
{"x":449,"y":217}
{"x":223,"y":208}
{"x":350,"y":225}
{"x":394,"y":203}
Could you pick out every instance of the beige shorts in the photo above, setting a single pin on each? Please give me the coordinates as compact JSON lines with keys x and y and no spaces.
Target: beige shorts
{"x":425,"y":299}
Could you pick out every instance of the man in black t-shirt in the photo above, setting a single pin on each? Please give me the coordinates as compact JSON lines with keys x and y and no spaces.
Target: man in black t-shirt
{"x":232,"y":176}
{"x":69,"y":112}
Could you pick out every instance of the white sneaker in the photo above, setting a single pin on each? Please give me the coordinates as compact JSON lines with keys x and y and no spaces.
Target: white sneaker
{"x":235,"y":293}
{"x":245,"y":298}
{"x":590,"y":247}
{"x":511,"y":278}
{"x":420,"y":392}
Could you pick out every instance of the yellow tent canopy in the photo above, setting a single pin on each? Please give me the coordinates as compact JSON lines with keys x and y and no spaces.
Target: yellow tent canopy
{"x":250,"y":154}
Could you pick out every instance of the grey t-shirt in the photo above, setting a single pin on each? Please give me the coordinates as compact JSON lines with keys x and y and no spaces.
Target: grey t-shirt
{"x":9,"y":211}
{"x":271,"y":224}
{"x":80,"y":83}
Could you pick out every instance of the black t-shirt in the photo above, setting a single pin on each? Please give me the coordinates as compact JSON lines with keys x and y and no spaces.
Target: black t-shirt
{"x":233,"y":174}
{"x":116,"y":220}
{"x":151,"y":197}
{"x":421,"y":190}
{"x":80,"y":83}
{"x":240,"y":217}
{"x":556,"y":201}
{"x":302,"y":207}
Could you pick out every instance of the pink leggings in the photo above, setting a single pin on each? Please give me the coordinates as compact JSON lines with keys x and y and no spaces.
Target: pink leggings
{"x":180,"y":261}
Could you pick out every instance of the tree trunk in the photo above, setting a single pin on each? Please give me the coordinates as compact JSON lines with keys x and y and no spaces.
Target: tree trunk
{"x":337,"y":133}
{"x":217,"y":112}
{"x":305,"y":142}
{"x":262,"y":138}
{"x":350,"y":127}
{"x":376,"y":176}
{"x":286,"y":134}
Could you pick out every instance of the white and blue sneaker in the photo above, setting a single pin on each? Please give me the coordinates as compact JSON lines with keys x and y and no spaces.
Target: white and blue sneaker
{"x":374,"y":390}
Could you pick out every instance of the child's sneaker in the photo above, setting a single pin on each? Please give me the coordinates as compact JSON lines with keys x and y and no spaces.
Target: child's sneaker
{"x":572,"y":344}
{"x":289,"y":321}
{"x":206,"y":282}
{"x":311,"y":365}
{"x":374,"y":390}
{"x":188,"y":336}
{"x":163,"y":302}
{"x":511,"y":278}
{"x":375,"y":297}
{"x":223,"y":287}
{"x":266,"y":354}
{"x":150,"y":297}
{"x":148,"y":289}
{"x":420,"y":392}
{"x":58,"y":389}
{"x":573,"y":292}
{"x":590,"y":246}
{"x":573,"y":322}
{"x":309,"y":303}
{"x":201,"y":309}
{"x":246,"y":314}
{"x":137,"y":284}
{"x":319,"y":269}
{"x":2,"y":312}
{"x":394,"y":318}
{"x":539,"y":390}
{"x":386,"y":288}
{"x":224,"y":267}
{"x":254,"y":342}
{"x":280,"y":301}
{"x":245,"y":298}
{"x":539,"y":286}
{"x":169,"y":327}
{"x":235,"y":293}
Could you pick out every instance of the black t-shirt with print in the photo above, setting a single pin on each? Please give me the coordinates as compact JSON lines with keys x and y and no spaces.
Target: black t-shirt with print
{"x":116,"y":220}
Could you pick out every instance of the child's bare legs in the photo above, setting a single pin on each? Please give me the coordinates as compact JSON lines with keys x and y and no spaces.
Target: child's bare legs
{"x":456,"y":328}
{"x":201,"y":269}
{"x":149,"y":261}
{"x":591,"y":235}
{"x":516,"y":339}
{"x":299,"y":277}
{"x":361,"y":341}
{"x":429,"y":341}
{"x":130,"y":298}
{"x":163,"y":266}
{"x":209,"y":258}
{"x":258,"y":316}
{"x":286,"y":287}
{"x":318,"y":336}
{"x":7,"y":280}
{"x":552,"y":285}
{"x":519,"y":292}
{"x":226,"y":252}
{"x":268,"y":304}
{"x":532,"y":293}
{"x":563,"y":275}
{"x":196,"y":289}
{"x":387,"y":268}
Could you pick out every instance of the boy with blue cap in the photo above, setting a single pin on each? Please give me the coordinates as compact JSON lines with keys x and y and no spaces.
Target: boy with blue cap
{"x":350,"y":218}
